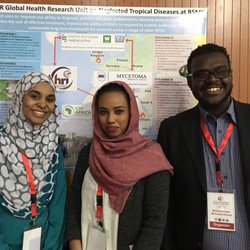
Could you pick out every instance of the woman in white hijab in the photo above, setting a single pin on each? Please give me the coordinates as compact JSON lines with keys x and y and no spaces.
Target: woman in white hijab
{"x":32,"y":177}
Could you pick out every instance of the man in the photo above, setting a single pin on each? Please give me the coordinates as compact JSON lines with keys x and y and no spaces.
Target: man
{"x":209,"y":148}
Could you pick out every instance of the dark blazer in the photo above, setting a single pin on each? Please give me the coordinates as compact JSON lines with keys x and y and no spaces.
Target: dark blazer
{"x":143,"y":218}
{"x":181,"y":139}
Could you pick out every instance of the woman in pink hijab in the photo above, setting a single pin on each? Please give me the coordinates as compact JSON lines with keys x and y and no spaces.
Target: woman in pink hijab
{"x":119,"y":193}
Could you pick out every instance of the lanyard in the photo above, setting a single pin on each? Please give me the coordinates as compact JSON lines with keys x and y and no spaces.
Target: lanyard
{"x":32,"y":186}
{"x":218,"y":152}
{"x":99,"y":205}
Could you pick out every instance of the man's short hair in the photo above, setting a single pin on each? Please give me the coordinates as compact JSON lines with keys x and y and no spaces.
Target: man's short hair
{"x":206,"y":49}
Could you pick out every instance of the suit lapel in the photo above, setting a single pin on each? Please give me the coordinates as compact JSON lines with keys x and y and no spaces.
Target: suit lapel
{"x":192,"y":134}
{"x":242,"y":112}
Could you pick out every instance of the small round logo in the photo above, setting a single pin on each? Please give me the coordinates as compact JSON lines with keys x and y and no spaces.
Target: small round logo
{"x":68,"y":111}
{"x":62,"y":77}
{"x":220,"y":198}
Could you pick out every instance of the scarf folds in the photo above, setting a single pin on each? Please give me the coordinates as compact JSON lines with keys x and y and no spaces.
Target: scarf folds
{"x":118,"y":164}
{"x":37,"y":142}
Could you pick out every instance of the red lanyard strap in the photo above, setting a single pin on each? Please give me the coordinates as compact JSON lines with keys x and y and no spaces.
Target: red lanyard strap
{"x":218,"y":152}
{"x":99,"y":202}
{"x":32,"y":186}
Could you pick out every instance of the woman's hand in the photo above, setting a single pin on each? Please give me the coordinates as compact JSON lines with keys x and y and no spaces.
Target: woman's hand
{"x":75,"y":245}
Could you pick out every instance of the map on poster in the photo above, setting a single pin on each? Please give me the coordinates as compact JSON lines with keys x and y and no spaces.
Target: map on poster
{"x":82,"y":47}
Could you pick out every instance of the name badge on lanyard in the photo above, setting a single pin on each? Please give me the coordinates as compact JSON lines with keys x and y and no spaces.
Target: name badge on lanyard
{"x":32,"y":238}
{"x":221,"y":211}
{"x":220,"y":205}
{"x":32,"y":234}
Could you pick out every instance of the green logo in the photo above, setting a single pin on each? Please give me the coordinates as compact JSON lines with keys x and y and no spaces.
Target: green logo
{"x":68,"y":111}
{"x":106,"y":39}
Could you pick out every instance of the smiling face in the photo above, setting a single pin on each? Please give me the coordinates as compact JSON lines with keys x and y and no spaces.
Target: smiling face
{"x":212,"y":93}
{"x":113,"y":113}
{"x":39,"y":103}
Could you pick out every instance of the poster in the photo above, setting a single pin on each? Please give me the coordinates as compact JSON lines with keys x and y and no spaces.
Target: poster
{"x":82,"y":47}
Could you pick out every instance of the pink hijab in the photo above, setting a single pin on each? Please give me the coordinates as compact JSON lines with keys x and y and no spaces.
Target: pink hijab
{"x":118,"y":164}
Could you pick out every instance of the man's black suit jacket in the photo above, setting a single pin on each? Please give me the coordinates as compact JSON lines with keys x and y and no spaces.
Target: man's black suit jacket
{"x":181,"y":140}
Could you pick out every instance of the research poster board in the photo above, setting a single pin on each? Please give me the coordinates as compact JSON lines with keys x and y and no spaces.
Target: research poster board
{"x":82,"y":47}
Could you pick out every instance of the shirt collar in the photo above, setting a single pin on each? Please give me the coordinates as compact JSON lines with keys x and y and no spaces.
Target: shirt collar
{"x":229,"y":112}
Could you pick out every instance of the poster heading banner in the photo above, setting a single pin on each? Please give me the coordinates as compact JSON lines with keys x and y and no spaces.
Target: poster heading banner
{"x":97,"y":10}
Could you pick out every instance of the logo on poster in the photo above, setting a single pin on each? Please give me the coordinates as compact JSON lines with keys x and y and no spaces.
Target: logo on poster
{"x":120,"y":38}
{"x":68,"y":111}
{"x":62,"y":77}
{"x":102,"y":76}
{"x":106,"y":39}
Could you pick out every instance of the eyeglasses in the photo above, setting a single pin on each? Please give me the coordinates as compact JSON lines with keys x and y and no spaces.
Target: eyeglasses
{"x":203,"y":74}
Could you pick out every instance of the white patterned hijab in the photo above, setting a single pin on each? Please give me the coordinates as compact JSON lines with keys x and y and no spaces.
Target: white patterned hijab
{"x":37,"y":142}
